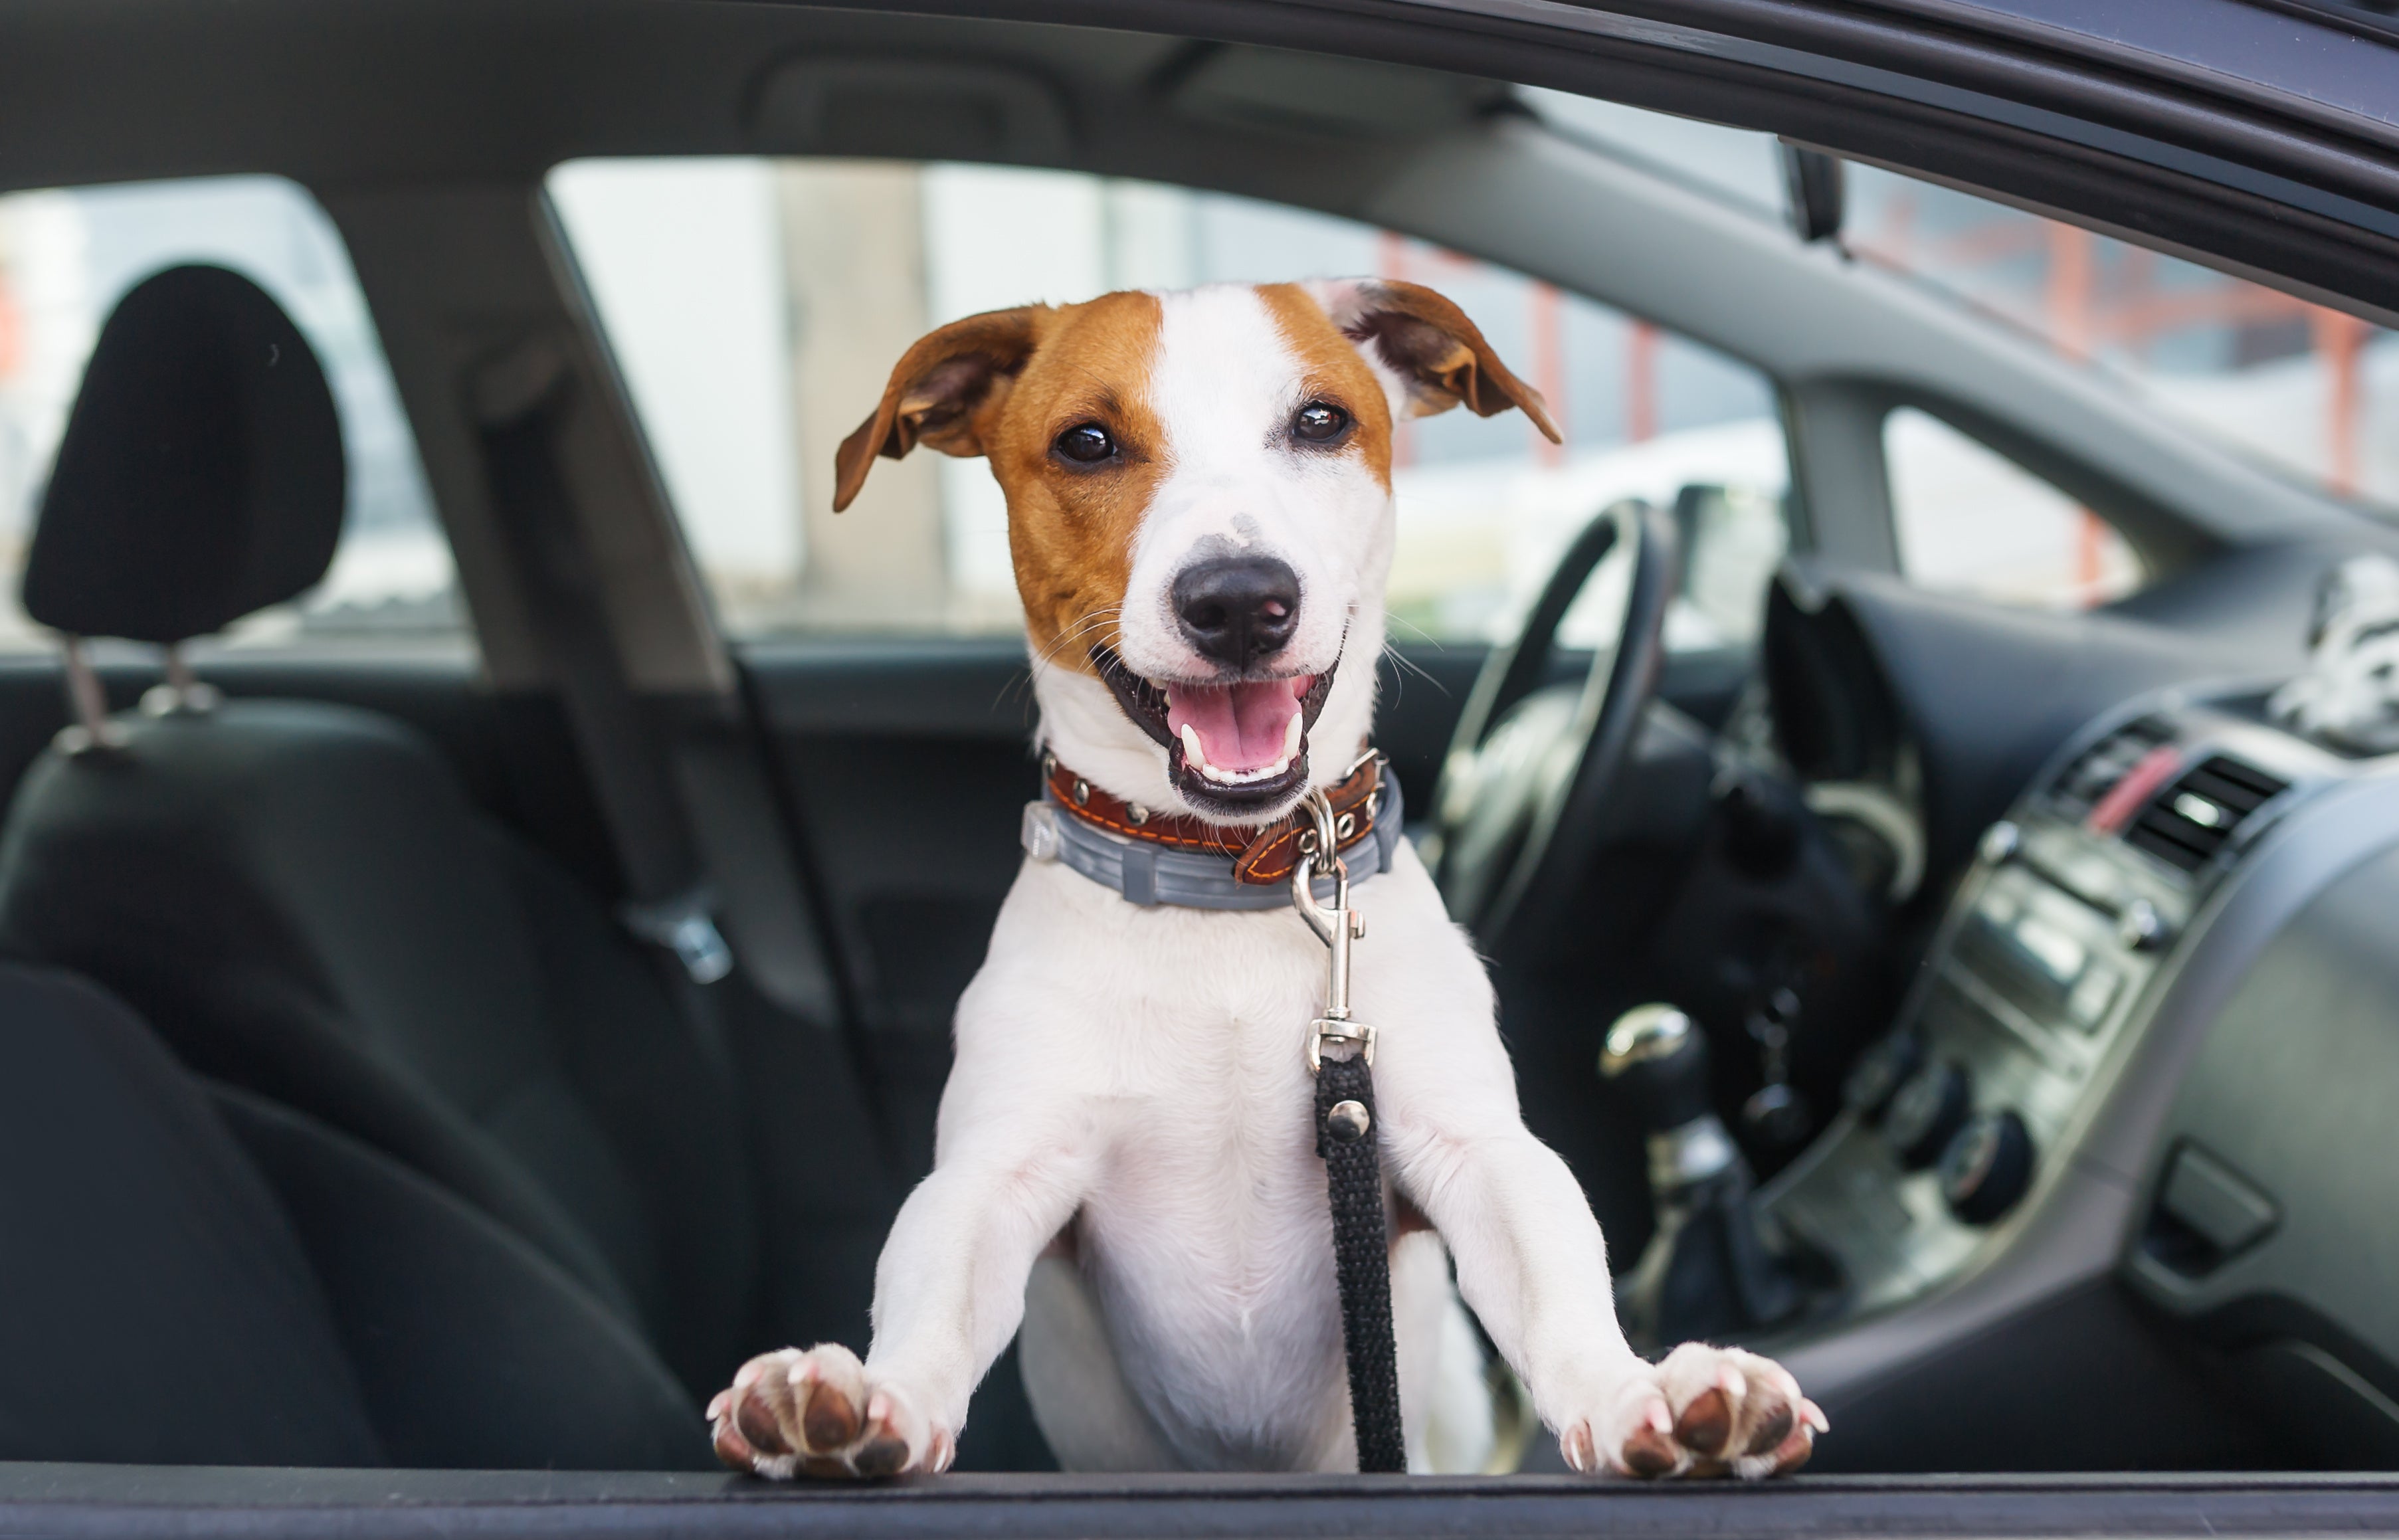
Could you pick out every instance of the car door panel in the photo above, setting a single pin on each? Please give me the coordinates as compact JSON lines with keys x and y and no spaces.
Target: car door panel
{"x":372,"y":1504}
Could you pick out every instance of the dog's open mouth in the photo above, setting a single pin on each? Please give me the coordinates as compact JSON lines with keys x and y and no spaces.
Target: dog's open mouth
{"x":1233,"y":748}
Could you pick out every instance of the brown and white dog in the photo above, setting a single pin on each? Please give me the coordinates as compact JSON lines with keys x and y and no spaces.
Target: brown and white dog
{"x":1199,"y":510}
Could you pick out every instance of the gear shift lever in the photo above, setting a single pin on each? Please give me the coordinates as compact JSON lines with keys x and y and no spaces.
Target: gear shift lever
{"x":1659,"y":1057}
{"x":1709,"y":1269}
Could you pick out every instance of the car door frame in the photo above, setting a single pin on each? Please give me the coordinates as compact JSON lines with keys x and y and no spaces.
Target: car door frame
{"x":398,"y":237}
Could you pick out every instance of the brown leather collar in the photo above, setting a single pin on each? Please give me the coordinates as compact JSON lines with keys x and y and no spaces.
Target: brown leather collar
{"x":1262,"y":854}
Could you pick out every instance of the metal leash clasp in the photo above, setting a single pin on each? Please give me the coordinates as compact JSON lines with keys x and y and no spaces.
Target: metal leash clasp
{"x":1338,"y":927}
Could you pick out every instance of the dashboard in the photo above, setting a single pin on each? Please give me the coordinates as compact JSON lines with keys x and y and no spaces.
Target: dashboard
{"x":2156,"y":1038}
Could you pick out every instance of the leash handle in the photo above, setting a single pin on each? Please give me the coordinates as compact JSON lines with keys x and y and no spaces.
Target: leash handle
{"x":1350,"y":1144}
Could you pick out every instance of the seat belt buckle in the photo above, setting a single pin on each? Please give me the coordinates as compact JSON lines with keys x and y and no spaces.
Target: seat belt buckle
{"x":684,"y":925}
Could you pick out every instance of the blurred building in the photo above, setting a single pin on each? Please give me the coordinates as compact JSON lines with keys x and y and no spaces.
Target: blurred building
{"x":756,"y":307}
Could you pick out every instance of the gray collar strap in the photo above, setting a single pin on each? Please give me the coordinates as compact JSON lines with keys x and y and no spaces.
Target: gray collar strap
{"x":1150,"y":875}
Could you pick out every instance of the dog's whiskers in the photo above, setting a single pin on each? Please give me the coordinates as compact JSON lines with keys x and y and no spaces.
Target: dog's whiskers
{"x":1402,"y":660}
{"x":1067,"y":638}
{"x":1082,"y":626}
{"x":1092,"y":622}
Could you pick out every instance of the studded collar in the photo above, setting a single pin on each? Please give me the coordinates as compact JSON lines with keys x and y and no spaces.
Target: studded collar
{"x":1262,"y":854}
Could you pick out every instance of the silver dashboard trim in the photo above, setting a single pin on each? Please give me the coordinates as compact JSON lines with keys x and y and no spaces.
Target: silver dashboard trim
{"x":2083,"y":1213}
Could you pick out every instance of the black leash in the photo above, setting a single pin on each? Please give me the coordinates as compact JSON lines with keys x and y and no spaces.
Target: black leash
{"x":1347,"y":1138}
{"x":1349,"y":1143}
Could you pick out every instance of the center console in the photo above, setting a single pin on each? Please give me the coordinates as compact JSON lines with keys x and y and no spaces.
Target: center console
{"x":2036,"y":992}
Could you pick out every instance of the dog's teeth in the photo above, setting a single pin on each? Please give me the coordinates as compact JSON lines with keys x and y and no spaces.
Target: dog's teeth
{"x":1292,"y":737}
{"x":1195,"y":757}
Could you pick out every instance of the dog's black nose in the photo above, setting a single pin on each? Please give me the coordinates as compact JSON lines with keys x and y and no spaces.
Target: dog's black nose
{"x":1238,"y":609}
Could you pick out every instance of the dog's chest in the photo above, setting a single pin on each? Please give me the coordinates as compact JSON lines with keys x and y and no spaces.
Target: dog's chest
{"x":1210,"y":1100}
{"x":1204,"y":1224}
{"x":1208,"y":1238}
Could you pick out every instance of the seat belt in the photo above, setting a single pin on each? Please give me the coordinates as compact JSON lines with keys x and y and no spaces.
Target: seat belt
{"x":520,"y":402}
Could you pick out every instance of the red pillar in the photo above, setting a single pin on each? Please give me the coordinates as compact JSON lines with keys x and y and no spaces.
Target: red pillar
{"x":2341,"y":341}
{"x":2070,"y":284}
{"x":1548,"y":368}
{"x":2068,"y":302}
{"x":2089,"y":555}
{"x":1641,"y":383}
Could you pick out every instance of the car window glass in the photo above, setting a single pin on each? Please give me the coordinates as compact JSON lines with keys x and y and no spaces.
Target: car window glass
{"x":755,"y":306}
{"x":2311,"y":392}
{"x":1972,"y":521}
{"x":1735,"y":166}
{"x":67,"y":255}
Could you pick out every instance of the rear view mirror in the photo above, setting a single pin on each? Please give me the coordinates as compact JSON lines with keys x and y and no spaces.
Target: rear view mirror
{"x":1814,"y":183}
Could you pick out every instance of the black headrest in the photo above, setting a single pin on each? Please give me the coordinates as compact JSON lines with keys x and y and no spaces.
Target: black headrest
{"x":201,"y":475}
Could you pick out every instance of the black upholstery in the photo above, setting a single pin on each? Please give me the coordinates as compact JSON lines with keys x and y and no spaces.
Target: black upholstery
{"x":155,"y":1306}
{"x":304,"y":903}
{"x":469,"y":1348}
{"x":200,"y":477}
{"x":301,"y":900}
{"x":182,"y":1283}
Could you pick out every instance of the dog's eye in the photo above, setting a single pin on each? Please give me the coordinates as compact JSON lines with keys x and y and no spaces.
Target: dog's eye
{"x":1318,"y":423}
{"x":1086,"y":444}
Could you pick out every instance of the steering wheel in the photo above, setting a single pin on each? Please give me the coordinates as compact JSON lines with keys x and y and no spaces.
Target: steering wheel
{"x":1518,"y":809}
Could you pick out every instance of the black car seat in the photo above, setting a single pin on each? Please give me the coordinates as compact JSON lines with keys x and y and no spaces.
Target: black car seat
{"x":236,"y":1284}
{"x":300,"y":896}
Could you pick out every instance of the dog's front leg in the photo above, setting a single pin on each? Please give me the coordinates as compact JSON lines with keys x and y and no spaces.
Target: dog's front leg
{"x":1531,"y":1265}
{"x":949,"y":1292}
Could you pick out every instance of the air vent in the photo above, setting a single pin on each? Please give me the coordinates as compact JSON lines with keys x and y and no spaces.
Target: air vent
{"x":2097,"y":769}
{"x":2192,"y":819}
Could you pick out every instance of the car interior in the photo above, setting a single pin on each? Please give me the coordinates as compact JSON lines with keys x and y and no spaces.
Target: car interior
{"x":458,"y":1043}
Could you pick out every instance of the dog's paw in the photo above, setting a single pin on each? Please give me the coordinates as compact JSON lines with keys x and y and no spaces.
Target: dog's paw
{"x":820,"y":1413}
{"x":1701,"y":1411}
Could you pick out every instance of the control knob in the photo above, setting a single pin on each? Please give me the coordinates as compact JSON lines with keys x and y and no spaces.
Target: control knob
{"x":1926,"y":1112}
{"x":2142,"y":928}
{"x":1987,"y":1167}
{"x":1879,"y":1073}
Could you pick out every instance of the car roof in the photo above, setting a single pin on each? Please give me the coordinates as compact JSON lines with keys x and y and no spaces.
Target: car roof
{"x":2251,"y":136}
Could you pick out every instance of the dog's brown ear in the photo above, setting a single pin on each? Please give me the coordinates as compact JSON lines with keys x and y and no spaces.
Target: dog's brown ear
{"x":941,"y":393}
{"x":1439,"y":357}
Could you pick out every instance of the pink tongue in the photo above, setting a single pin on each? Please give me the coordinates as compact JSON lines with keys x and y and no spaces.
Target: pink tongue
{"x":1240,"y":727}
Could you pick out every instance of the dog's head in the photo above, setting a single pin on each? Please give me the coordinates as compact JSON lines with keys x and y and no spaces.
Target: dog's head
{"x":1199,"y":513}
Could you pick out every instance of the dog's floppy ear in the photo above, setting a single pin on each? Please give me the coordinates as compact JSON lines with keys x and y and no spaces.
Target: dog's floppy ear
{"x":1427,"y":351}
{"x":940,"y":393}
